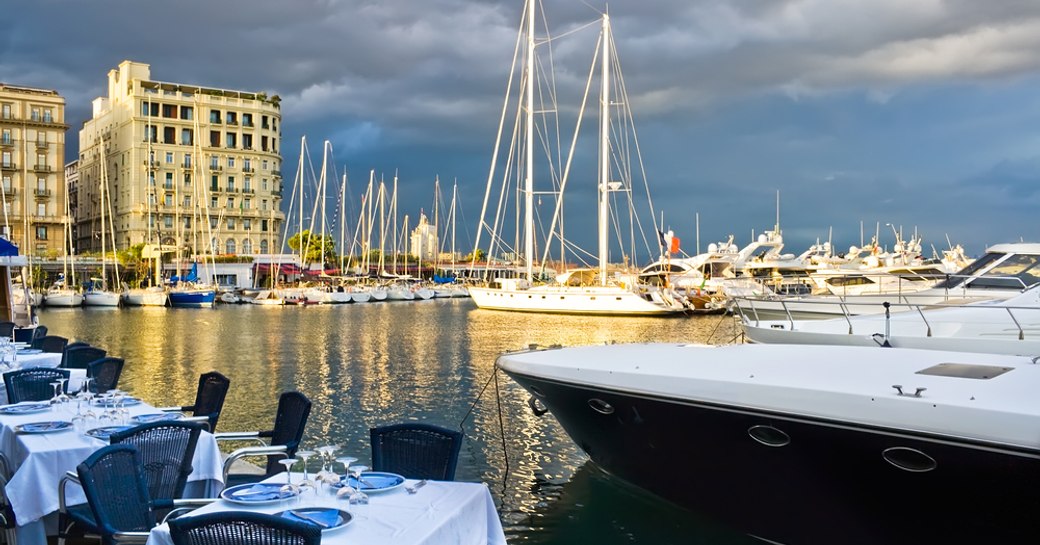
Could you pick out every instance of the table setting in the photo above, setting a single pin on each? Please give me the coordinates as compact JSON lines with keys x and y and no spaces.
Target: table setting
{"x":352,"y":504}
{"x":43,"y":440}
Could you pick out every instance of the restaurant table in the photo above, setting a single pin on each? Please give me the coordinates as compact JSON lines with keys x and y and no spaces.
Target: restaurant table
{"x":46,"y":359}
{"x":39,"y":461}
{"x":441,"y":512}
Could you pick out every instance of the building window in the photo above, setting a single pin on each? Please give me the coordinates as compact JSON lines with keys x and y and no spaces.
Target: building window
{"x":231,"y":202}
{"x":187,"y":223}
{"x":169,"y":135}
{"x":187,"y":160}
{"x":231,"y":139}
{"x":247,"y":224}
{"x":187,"y":137}
{"x":149,"y":109}
{"x":5,"y":160}
{"x":214,"y":139}
{"x":187,"y":112}
{"x":214,"y":161}
{"x":48,"y":117}
{"x":169,"y":110}
{"x":231,"y":162}
{"x":263,"y":143}
{"x":247,"y":164}
{"x":169,"y":180}
{"x":41,"y":209}
{"x":214,"y":244}
{"x":263,"y":122}
{"x":247,"y":246}
{"x":187,"y":178}
{"x":247,"y":141}
{"x":230,"y":183}
{"x":247,"y":204}
{"x":213,"y":223}
{"x":7,"y":184}
{"x":41,"y":160}
{"x":263,"y":184}
{"x":247,"y":120}
{"x":169,"y":158}
{"x":5,"y":137}
{"x":151,"y":221}
{"x":263,"y":246}
{"x":213,"y":202}
{"x":168,"y":200}
{"x":230,"y":226}
{"x":263,"y":204}
{"x":214,"y":116}
{"x":5,"y":110}
{"x":187,"y":202}
{"x":41,"y":185}
{"x":213,"y":181}
{"x":150,"y":134}
{"x":41,"y":233}
{"x":168,"y":221}
{"x":264,"y":164}
{"x":263,"y":226}
{"x":247,"y":185}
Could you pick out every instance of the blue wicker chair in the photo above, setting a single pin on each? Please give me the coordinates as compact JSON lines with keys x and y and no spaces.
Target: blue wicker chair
{"x":166,"y":450}
{"x":209,"y":398}
{"x":105,"y":373}
{"x":282,"y":441}
{"x":38,"y":333}
{"x":77,"y":357}
{"x":417,"y":451}
{"x":51,"y":343}
{"x":114,"y":482}
{"x":237,"y":527}
{"x":7,"y":329}
{"x":24,"y":334}
{"x":32,"y":384}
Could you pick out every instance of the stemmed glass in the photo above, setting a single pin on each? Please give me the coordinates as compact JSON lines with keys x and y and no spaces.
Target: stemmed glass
{"x":289,"y":486}
{"x":358,"y":497}
{"x":346,"y":490}
{"x":56,"y":400}
{"x":305,"y":455}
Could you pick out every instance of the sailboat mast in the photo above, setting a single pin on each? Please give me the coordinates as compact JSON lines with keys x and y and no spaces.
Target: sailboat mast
{"x":102,"y":182}
{"x":342,"y":219}
{"x":528,"y":175}
{"x":604,"y":153}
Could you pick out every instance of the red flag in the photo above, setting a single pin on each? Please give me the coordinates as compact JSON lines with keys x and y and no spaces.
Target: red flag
{"x":674,"y":248}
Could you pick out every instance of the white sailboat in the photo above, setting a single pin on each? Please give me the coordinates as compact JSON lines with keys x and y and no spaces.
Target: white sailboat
{"x":63,"y":292}
{"x":599,"y":290}
{"x":98,"y":295}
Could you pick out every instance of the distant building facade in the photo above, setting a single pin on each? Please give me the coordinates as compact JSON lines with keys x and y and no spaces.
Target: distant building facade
{"x":424,"y":240}
{"x":187,"y":166}
{"x":32,"y":150}
{"x":71,"y":188}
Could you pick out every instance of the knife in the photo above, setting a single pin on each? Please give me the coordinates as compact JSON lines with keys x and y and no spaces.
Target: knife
{"x":309,"y":518}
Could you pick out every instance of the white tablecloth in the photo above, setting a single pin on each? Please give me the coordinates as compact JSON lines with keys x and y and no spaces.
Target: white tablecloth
{"x":440,"y":513}
{"x":45,"y":359}
{"x":40,"y":460}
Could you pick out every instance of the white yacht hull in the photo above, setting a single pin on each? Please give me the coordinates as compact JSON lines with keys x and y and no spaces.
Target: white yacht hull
{"x":101,"y":299}
{"x":146,"y":298}
{"x":605,"y":300}
{"x":65,"y":298}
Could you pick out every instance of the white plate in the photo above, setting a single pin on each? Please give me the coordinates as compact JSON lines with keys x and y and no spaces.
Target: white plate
{"x":256,"y":494}
{"x":44,"y":427}
{"x":343,"y":518}
{"x":26,"y":408}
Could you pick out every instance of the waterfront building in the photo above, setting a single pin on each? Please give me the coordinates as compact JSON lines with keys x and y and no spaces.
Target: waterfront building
{"x":193,"y":167}
{"x":424,"y":240}
{"x":32,"y":149}
{"x":70,"y":193}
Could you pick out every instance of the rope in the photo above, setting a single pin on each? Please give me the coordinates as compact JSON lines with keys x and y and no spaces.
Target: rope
{"x":501,"y":421}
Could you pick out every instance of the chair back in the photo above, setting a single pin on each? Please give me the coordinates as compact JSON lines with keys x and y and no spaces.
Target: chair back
{"x":78,"y":343}
{"x":32,"y":384}
{"x":51,"y":343}
{"x":24,"y":334}
{"x":7,"y":329}
{"x":114,"y":483}
{"x":293,"y":410}
{"x":237,"y":527}
{"x":105,"y":373}
{"x":39,"y":333}
{"x":209,"y":400}
{"x":166,"y":450}
{"x":417,"y":451}
{"x":78,"y":357}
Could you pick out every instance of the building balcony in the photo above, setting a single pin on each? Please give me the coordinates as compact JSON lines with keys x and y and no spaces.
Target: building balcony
{"x":8,"y":166}
{"x":42,"y":145}
{"x":42,"y":192}
{"x":232,"y":122}
{"x":216,"y":168}
{"x":276,"y":193}
{"x":42,"y":168}
{"x":9,"y":193}
{"x":231,"y":190}
{"x":7,"y":142}
{"x":153,"y":164}
{"x":248,"y":124}
{"x":248,"y":169}
{"x":249,"y":190}
{"x":277,"y":173}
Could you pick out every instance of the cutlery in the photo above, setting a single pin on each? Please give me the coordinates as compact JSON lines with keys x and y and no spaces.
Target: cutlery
{"x":241,"y":493}
{"x":307,"y":517}
{"x":414,"y":489}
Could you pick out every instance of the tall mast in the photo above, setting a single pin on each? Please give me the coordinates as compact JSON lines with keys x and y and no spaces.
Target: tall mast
{"x":604,"y":153}
{"x":342,"y":219}
{"x":299,"y":174}
{"x":528,"y":174}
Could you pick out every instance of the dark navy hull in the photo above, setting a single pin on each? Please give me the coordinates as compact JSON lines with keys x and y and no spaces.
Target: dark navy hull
{"x":193,"y":298}
{"x":798,"y":480}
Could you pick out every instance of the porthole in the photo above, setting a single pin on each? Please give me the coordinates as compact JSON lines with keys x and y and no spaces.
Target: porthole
{"x":909,"y":459}
{"x":769,"y":436}
{"x":601,"y":406}
{"x":536,"y":391}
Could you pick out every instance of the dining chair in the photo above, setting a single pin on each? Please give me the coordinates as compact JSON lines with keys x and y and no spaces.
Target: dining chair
{"x":416,"y":450}
{"x":24,"y":334}
{"x":282,"y":440}
{"x":77,"y":357}
{"x":166,"y":450}
{"x":237,"y":527}
{"x":32,"y":384}
{"x":114,"y":482}
{"x":209,"y":398}
{"x":7,"y":329}
{"x":51,"y":343}
{"x":39,"y":333}
{"x":75,"y":344}
{"x":105,"y":373}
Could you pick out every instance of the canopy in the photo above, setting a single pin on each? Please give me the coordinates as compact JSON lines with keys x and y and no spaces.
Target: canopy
{"x":7,"y":248}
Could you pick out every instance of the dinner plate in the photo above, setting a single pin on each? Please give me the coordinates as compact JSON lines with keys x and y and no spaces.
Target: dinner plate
{"x":105,"y":432}
{"x":374,"y":482}
{"x":108,"y":402}
{"x":256,"y":493}
{"x":29,"y":351}
{"x":327,"y":518}
{"x":26,"y":408}
{"x":44,"y":427}
{"x":161,"y":417}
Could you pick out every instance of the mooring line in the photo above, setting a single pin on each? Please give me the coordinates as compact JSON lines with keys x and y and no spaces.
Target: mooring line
{"x":501,"y":420}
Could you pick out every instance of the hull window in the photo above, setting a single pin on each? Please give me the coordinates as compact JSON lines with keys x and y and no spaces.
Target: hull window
{"x":909,"y":459}
{"x":601,"y":406}
{"x":769,"y":436}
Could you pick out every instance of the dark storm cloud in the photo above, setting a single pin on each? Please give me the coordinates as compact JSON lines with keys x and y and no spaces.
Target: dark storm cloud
{"x":875,"y":111}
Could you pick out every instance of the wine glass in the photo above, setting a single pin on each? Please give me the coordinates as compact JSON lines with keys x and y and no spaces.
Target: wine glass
{"x":289,"y":486}
{"x":346,"y":490}
{"x":56,"y":400}
{"x":358,"y":497}
{"x":306,"y":455}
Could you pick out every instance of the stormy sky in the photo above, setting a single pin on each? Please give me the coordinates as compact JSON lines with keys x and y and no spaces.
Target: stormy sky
{"x":917,"y":114}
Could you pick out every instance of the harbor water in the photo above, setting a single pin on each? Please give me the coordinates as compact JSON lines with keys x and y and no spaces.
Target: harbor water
{"x":372,"y":364}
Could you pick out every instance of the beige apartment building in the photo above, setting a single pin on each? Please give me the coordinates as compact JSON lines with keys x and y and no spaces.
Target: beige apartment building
{"x":32,"y":152}
{"x":185,"y":165}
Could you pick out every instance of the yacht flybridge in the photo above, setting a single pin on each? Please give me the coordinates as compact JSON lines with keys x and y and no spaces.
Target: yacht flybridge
{"x":809,"y":444}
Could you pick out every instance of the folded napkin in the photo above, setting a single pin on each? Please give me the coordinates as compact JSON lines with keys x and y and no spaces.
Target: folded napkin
{"x":44,"y":426}
{"x":161,"y":417}
{"x":25,"y":406}
{"x":374,"y":481}
{"x":259,"y":492}
{"x":324,"y":517}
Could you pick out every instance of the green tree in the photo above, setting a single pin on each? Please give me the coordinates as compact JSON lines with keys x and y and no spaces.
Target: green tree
{"x":313,"y":247}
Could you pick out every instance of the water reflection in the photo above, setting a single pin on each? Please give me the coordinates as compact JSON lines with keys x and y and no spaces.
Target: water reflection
{"x":374,"y":364}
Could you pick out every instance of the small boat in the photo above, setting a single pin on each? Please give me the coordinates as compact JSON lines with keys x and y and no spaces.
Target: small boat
{"x":800,"y":444}
{"x":58,"y":296}
{"x":268,"y":298}
{"x":146,"y":297}
{"x":192,"y":296}
{"x":229,"y":298}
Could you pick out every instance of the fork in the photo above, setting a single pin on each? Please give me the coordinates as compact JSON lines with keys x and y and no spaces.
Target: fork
{"x":414,"y":489}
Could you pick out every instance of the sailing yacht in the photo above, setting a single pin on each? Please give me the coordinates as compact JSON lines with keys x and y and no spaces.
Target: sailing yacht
{"x":98,"y":294}
{"x":61,"y":294}
{"x":599,"y":290}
